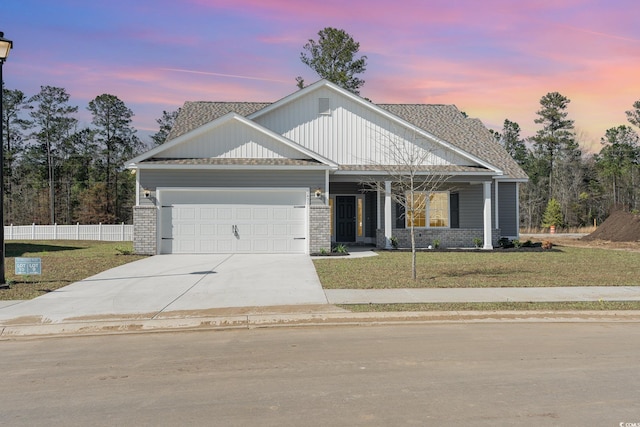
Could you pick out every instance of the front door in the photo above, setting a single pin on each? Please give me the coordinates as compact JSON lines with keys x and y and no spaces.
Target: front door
{"x":346,"y":219}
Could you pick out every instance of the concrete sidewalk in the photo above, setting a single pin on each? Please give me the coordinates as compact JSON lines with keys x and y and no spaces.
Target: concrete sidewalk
{"x":325,"y":314}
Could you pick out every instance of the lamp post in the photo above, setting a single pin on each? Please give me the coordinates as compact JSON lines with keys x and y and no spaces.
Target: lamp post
{"x":5,"y":47}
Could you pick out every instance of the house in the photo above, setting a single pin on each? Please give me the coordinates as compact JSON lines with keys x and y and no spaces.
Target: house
{"x":289,"y":177}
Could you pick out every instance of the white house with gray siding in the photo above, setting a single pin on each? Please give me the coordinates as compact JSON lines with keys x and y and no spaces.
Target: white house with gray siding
{"x":294,"y":176}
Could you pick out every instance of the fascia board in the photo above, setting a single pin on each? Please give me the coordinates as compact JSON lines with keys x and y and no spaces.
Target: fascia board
{"x":143,"y":166}
{"x":383,"y":173}
{"x":506,"y":179}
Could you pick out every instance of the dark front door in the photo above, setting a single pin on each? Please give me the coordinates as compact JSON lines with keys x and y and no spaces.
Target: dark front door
{"x":345,"y":219}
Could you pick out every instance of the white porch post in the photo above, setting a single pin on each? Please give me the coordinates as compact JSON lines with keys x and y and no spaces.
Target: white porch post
{"x":326,"y":187}
{"x":517,"y":210}
{"x":137,"y":187}
{"x":495,"y":205}
{"x":378,"y":210}
{"x":388,"y":229}
{"x":487,"y":215}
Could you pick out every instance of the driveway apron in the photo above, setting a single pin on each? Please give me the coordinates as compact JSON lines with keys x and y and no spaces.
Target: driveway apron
{"x":180,"y":282}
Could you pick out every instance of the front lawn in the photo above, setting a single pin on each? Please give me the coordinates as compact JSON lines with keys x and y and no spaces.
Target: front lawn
{"x":563,"y":266}
{"x":63,"y":262}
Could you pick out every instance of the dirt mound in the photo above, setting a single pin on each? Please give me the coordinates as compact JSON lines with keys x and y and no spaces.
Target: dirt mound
{"x":621,"y":226}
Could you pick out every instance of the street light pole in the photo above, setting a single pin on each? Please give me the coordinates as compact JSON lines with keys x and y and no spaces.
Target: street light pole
{"x":5,"y":47}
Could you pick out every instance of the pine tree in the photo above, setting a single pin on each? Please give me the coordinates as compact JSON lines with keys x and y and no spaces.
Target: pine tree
{"x":333,"y":57}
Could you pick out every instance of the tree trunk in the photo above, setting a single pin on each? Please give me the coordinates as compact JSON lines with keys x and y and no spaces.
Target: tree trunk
{"x":52,"y":193}
{"x":414,"y":273}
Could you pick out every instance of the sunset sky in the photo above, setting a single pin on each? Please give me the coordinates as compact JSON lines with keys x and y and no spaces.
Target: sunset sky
{"x":493,"y":59}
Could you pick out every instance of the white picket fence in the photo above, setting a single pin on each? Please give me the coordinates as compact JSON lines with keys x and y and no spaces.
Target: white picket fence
{"x":107,"y":232}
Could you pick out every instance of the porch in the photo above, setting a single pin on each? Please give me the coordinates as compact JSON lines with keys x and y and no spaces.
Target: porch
{"x":468,"y":211}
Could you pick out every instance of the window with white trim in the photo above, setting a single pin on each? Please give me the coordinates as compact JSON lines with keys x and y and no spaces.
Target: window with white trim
{"x":428,"y":210}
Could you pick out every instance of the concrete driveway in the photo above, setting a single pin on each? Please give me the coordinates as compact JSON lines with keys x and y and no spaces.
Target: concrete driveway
{"x":165,"y":283}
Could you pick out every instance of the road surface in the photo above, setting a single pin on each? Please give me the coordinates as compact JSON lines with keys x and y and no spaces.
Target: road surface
{"x":484,"y":374}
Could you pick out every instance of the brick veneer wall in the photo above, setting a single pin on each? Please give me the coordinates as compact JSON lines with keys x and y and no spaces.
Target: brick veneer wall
{"x":449,"y":238}
{"x":319,"y":228}
{"x":144,"y":230}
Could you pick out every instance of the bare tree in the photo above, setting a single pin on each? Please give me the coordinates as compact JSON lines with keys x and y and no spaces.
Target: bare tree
{"x":410,"y":162}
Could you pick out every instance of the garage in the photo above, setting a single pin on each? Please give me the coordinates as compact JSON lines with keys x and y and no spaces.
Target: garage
{"x":233,"y":220}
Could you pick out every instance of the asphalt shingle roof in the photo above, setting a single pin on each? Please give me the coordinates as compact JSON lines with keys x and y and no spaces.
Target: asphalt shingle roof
{"x":232,"y":161}
{"x":195,"y":114}
{"x":443,"y":121}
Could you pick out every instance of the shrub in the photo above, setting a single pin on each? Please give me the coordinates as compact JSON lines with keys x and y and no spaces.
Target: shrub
{"x":547,"y":244}
{"x":436,"y":243}
{"x":394,"y":242}
{"x":517,"y":243}
{"x":124,"y":251}
{"x":477,"y":242}
{"x":505,"y":243}
{"x":340,"y":249}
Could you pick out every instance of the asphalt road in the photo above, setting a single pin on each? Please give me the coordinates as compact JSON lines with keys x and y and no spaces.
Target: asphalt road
{"x":483,"y":374}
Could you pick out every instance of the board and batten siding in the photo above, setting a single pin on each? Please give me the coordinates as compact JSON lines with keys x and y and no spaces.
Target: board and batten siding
{"x":232,"y":139}
{"x":508,"y":209}
{"x":352,"y":134}
{"x":471,"y":206}
{"x":207,"y":178}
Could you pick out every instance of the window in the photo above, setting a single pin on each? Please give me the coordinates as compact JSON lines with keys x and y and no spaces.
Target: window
{"x":432,"y":206}
{"x":416,"y":210}
{"x":439,"y":209}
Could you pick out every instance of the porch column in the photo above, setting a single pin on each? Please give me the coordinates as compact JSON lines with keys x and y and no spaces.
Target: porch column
{"x":487,"y":215}
{"x":378,"y":210}
{"x":137,"y":171}
{"x":517,"y":210}
{"x":326,"y":187}
{"x":388,"y":229}
{"x":495,"y":204}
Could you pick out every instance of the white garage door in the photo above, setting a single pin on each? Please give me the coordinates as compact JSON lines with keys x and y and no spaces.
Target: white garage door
{"x":233,"y":221}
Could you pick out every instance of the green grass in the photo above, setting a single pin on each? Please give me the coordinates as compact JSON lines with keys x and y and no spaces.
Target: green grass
{"x":497,"y":306}
{"x":565,"y":266}
{"x":63,"y":262}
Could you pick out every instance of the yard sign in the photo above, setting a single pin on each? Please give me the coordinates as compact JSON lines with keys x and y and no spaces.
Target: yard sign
{"x":28,"y":266}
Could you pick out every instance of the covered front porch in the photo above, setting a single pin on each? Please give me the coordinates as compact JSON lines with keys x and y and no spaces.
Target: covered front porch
{"x":468,"y":212}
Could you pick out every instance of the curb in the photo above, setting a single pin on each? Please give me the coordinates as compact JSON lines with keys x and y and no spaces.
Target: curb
{"x":255,"y":321}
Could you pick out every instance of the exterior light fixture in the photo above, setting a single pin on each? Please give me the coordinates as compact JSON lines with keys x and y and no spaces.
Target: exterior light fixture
{"x":318,"y":192}
{"x":5,"y":47}
{"x":146,"y":193}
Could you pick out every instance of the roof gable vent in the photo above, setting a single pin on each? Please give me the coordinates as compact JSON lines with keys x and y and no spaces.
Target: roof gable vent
{"x":324,"y":106}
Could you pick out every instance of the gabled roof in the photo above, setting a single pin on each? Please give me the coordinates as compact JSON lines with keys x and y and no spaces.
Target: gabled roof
{"x":444,"y":122}
{"x":199,"y":113}
{"x":156,"y":158}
